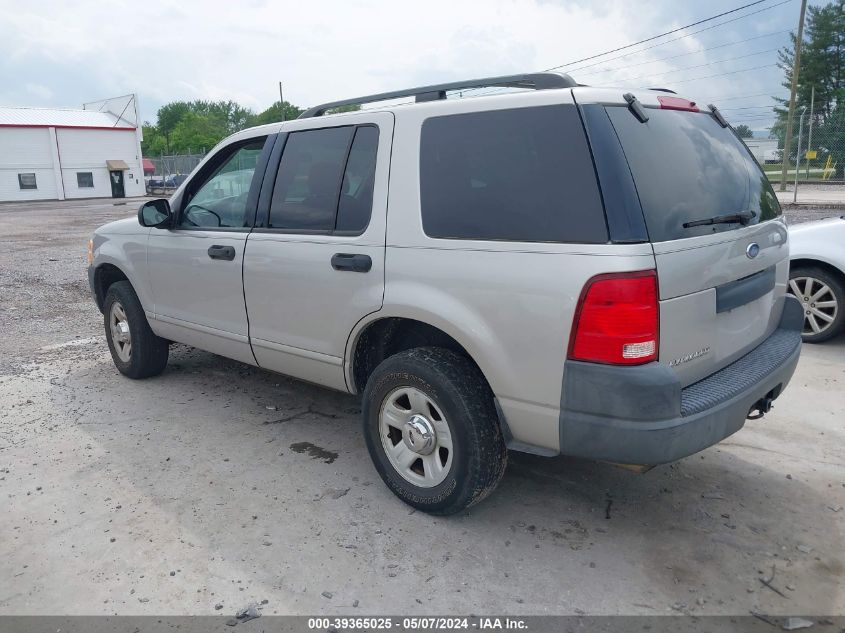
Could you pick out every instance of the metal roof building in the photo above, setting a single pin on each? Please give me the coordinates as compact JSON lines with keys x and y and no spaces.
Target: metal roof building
{"x":54,"y":154}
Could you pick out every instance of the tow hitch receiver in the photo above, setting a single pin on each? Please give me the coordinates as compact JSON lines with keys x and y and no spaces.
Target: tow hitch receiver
{"x":760,"y":408}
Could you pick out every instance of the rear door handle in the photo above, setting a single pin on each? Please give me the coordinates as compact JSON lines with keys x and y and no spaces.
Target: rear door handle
{"x":351,"y":261}
{"x":221,"y":252}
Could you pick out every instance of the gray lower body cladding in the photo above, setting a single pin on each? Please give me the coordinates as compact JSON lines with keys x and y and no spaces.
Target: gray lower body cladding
{"x":92,"y":286}
{"x":641,"y":415}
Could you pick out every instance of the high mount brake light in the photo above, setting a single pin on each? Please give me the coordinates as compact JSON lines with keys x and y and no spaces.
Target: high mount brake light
{"x":677,"y":103}
{"x":617,"y":320}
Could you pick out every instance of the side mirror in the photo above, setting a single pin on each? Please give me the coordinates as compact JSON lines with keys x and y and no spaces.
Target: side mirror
{"x":155,"y":213}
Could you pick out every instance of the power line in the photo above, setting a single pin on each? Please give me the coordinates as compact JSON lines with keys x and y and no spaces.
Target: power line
{"x":675,"y":39}
{"x":760,"y":117}
{"x":649,"y":39}
{"x":742,"y":70}
{"x":720,"y":61}
{"x":748,"y":108}
{"x":701,"y":50}
{"x":741,"y":17}
{"x":654,"y":37}
{"x":762,"y":94}
{"x":745,"y":117}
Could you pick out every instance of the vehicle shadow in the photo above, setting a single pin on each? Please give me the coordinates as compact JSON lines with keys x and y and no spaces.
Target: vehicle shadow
{"x":557,"y":536}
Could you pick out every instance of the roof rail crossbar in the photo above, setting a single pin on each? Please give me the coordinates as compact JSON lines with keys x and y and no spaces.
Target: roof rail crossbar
{"x":531,"y":81}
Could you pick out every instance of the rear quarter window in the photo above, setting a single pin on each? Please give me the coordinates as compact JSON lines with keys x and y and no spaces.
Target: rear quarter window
{"x":519,"y":175}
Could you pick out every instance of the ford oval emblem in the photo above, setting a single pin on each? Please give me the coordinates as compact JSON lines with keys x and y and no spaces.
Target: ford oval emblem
{"x":753,"y":250}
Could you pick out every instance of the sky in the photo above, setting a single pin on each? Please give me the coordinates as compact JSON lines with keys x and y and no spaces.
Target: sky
{"x":62,"y":53}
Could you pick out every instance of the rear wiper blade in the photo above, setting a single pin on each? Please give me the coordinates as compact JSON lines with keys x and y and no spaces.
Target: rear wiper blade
{"x":742,"y":218}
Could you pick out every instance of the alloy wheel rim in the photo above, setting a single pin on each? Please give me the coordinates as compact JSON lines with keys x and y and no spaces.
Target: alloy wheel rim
{"x":120,"y":335}
{"x":818,"y":302}
{"x":416,"y":437}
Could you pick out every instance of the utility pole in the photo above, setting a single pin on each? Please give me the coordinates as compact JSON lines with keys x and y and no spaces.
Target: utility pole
{"x":810,"y":134}
{"x":796,"y":65}
{"x":798,"y":153}
{"x":281,"y":101}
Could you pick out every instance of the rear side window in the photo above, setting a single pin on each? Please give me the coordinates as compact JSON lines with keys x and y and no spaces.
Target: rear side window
{"x":687,"y":167}
{"x":356,"y":194}
{"x":520,"y":175}
{"x":325,"y":181}
{"x":308,"y":184}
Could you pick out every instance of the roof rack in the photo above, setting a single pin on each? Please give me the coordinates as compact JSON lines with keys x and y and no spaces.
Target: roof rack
{"x":532,"y":81}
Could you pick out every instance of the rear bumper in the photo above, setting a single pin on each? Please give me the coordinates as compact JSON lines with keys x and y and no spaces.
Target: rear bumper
{"x":641,"y":415}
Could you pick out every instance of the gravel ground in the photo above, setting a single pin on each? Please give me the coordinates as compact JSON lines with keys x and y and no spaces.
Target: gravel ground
{"x":217,"y":484}
{"x":799,"y":215}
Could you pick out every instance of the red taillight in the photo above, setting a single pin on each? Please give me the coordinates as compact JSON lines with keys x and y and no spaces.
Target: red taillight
{"x":677,"y":103}
{"x":616,"y":321}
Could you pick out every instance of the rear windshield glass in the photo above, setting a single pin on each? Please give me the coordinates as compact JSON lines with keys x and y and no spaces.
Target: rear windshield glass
{"x":687,"y":167}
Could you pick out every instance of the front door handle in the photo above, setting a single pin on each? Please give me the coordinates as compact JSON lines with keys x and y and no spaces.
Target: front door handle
{"x":351,"y":261}
{"x":221,"y":252}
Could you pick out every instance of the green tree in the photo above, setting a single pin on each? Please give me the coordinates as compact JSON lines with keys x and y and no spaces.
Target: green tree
{"x":196,"y":132}
{"x":743,"y":131}
{"x":355,"y":107}
{"x":279,"y":111}
{"x":154,"y":143}
{"x":231,"y":116}
{"x":822,"y":68}
{"x":168,"y":118}
{"x":195,"y":126}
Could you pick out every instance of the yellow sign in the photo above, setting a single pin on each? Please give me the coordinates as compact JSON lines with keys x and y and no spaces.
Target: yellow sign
{"x":811,"y":154}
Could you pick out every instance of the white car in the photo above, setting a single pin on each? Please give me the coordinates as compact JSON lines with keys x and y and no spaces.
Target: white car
{"x":817,"y":276}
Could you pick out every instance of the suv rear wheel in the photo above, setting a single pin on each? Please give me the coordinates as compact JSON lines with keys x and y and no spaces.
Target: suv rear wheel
{"x":135,"y":350}
{"x":822,"y":297}
{"x":432,"y":430}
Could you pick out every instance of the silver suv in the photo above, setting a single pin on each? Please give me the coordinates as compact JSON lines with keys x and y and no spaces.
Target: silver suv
{"x":558,"y":270}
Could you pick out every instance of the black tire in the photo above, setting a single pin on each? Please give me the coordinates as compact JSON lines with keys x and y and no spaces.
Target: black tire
{"x":835,"y":283}
{"x":148,"y":354}
{"x":459,"y":389}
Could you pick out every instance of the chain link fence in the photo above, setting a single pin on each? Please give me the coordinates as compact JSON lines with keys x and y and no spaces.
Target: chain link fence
{"x":170,"y":171}
{"x":820,"y":159}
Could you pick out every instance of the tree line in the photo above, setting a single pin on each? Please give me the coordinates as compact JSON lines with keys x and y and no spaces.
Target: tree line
{"x":185,"y":127}
{"x":822,"y":68}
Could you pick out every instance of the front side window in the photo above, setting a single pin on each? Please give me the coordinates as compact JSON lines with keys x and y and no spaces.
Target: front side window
{"x":520,"y":175}
{"x":85,"y":179}
{"x":27,"y":181}
{"x":221,"y":200}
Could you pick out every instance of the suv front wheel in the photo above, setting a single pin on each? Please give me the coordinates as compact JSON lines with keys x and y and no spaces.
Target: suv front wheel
{"x":136,"y":351}
{"x":432,"y":430}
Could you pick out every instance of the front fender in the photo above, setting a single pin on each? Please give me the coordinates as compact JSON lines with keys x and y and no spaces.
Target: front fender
{"x":128,"y":253}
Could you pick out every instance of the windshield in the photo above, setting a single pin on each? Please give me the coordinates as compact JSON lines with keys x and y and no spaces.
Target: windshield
{"x":687,"y":167}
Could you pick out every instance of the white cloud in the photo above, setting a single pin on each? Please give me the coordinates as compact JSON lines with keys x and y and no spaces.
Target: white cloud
{"x":38,"y":91}
{"x":333,"y":49}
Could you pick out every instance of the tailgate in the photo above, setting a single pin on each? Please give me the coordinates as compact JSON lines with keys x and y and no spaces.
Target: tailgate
{"x":720,"y":250}
{"x":716,"y":302}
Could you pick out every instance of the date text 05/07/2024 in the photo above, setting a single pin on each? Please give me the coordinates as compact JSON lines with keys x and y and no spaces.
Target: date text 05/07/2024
{"x":417,"y":623}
